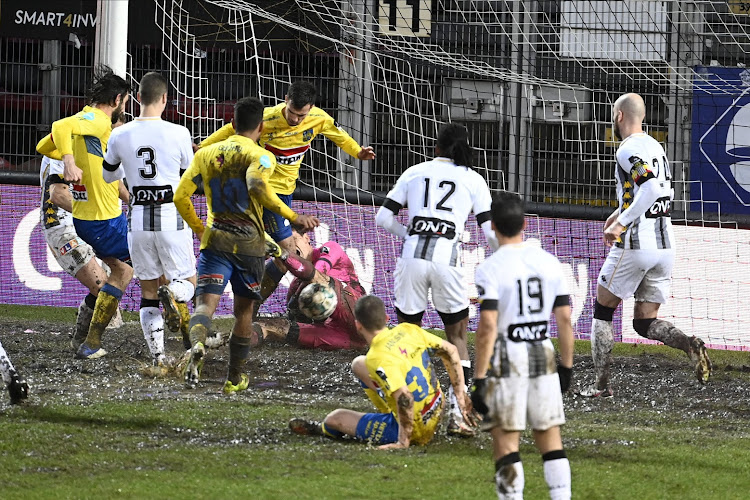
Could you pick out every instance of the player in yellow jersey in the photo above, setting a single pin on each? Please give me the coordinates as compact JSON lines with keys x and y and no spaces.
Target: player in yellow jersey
{"x":80,"y":142}
{"x":289,"y":128}
{"x":398,"y":377}
{"x":235,"y":175}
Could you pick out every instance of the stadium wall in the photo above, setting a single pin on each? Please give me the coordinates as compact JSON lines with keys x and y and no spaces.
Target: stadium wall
{"x":711,"y":279}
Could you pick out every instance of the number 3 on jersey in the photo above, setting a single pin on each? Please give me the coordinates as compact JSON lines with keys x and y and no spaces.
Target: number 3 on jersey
{"x":447,"y":187}
{"x":149,"y":162}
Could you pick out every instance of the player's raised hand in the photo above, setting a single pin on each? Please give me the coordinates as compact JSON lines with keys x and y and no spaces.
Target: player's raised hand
{"x":71,"y":172}
{"x":366,"y":153}
{"x":307,"y":221}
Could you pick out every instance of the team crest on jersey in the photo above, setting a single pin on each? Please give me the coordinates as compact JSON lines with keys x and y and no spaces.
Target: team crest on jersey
{"x":307,"y":135}
{"x":265,"y":161}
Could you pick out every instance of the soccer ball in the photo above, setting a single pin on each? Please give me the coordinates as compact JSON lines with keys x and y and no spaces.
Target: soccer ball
{"x":317,"y":301}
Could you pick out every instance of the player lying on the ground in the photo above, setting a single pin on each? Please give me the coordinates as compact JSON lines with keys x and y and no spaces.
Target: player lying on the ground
{"x":150,"y":154}
{"x":16,"y":385}
{"x":330,"y":266}
{"x":235,"y":177}
{"x":75,"y":256}
{"x":80,"y":142}
{"x":517,"y":378}
{"x":398,"y":377}
{"x":439,"y":196}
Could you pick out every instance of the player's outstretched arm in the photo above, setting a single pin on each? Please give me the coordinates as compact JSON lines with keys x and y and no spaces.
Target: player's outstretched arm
{"x":405,"y":402}
{"x":223,"y":133}
{"x":343,"y":140}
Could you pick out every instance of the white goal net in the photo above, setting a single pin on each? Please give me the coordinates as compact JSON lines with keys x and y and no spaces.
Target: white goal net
{"x":534,"y":82}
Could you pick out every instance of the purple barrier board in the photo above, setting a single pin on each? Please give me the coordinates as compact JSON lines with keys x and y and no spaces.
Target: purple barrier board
{"x":711,"y":279}
{"x":30,"y":274}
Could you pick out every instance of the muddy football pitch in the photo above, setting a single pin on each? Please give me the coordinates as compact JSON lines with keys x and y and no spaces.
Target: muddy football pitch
{"x":108,"y":429}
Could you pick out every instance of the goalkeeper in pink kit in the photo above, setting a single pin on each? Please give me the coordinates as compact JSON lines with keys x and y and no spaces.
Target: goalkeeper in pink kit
{"x":327,"y":265}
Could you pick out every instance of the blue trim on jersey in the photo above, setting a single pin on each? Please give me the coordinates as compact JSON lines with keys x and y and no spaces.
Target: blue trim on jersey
{"x":93,"y":145}
{"x":108,"y":238}
{"x":277,"y":226}
{"x":216,"y":268}
{"x":378,"y":428}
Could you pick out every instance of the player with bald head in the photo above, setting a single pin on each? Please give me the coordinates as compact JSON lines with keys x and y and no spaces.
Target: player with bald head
{"x":640,"y":261}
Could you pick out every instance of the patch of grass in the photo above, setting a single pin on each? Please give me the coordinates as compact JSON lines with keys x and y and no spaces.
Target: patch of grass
{"x":231,"y":449}
{"x":48,"y":313}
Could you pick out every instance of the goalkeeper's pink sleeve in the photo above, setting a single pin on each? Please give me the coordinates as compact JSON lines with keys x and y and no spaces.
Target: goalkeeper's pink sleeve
{"x":299,"y":267}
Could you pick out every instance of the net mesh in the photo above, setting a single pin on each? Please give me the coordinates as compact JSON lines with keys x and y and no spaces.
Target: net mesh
{"x":533,"y":81}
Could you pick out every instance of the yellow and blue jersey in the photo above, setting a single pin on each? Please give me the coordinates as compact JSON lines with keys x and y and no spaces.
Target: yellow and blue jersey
{"x":235,"y":218}
{"x":400,"y":357}
{"x":85,"y":135}
{"x":289,"y":144}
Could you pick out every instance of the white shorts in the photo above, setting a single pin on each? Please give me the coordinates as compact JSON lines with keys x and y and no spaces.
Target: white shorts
{"x":70,"y":251}
{"x":413,"y":278}
{"x":643,"y":274}
{"x":514,"y":400}
{"x":162,"y":252}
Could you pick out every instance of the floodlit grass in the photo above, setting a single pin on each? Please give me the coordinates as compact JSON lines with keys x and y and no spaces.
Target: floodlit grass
{"x":186,"y":449}
{"x":178,"y":444}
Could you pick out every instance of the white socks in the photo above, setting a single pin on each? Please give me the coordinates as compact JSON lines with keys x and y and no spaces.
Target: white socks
{"x":152,"y":323}
{"x":557,"y":476}
{"x":509,"y":481}
{"x":6,"y":367}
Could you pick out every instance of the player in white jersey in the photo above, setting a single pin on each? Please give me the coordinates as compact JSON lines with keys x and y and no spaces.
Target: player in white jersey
{"x":517,"y":379}
{"x":75,"y":256}
{"x":151,"y":154}
{"x":640,"y":261}
{"x":440,"y":194}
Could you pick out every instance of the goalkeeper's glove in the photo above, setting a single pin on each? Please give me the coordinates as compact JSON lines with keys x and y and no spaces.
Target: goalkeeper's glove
{"x":478,"y":394}
{"x":566,"y":376}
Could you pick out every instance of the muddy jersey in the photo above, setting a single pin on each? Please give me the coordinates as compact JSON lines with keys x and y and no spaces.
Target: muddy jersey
{"x":150,"y":154}
{"x":53,"y":218}
{"x":524,"y":283}
{"x":289,"y":144}
{"x":640,"y":158}
{"x":400,"y":357}
{"x":234,"y":222}
{"x":440,"y":196}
